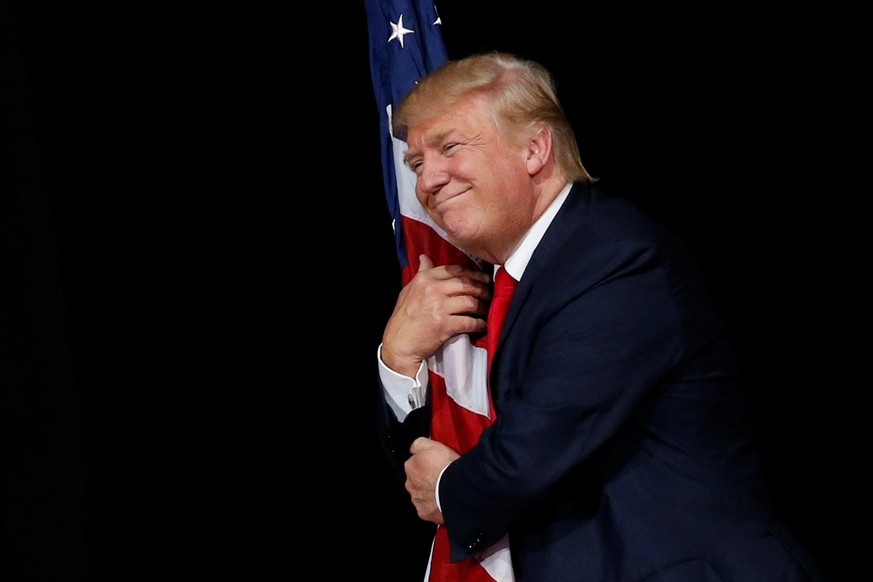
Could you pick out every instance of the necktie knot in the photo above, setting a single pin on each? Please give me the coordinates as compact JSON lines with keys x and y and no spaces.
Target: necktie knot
{"x":504,"y":283}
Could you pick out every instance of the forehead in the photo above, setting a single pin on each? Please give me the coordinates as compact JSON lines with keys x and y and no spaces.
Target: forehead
{"x":465,"y":118}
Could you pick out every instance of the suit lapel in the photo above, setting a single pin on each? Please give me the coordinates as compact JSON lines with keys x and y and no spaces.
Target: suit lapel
{"x":566,"y":221}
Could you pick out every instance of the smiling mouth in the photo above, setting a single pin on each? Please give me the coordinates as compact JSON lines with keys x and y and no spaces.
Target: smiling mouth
{"x":444,"y":199}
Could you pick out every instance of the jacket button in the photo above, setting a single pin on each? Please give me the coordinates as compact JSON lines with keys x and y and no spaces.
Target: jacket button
{"x":476,"y":544}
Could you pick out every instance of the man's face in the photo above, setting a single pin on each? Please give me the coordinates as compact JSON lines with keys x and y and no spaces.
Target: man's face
{"x":472,"y":183}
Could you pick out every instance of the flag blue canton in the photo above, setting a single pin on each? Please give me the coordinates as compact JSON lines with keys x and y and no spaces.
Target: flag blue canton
{"x":405,"y":44}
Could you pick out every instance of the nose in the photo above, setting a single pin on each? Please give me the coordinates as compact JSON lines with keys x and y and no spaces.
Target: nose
{"x":432,"y":176}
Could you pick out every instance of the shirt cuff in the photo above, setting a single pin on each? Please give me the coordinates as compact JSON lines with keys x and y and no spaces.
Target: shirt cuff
{"x":404,"y":394}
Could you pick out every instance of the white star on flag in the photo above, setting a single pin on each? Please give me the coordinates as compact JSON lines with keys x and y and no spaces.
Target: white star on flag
{"x":399,"y":31}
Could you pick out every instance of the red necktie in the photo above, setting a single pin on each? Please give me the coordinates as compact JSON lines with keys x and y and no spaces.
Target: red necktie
{"x":441,"y":567}
{"x":504,"y":287}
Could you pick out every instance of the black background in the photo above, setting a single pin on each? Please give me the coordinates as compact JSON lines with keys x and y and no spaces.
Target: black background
{"x":197,"y":262}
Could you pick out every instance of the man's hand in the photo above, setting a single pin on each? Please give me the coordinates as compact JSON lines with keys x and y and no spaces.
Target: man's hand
{"x":436,"y":305}
{"x":423,"y":468}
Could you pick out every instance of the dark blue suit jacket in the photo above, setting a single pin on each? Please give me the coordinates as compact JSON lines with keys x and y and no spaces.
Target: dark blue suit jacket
{"x":622,"y":448}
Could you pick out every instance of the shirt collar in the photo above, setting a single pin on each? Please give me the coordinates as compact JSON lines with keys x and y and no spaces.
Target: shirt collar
{"x":517,"y":262}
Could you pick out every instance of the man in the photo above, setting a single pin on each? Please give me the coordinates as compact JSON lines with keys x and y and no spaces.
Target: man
{"x":620,"y":447}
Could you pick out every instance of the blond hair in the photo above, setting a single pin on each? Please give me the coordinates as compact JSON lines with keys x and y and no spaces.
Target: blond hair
{"x":520,"y":93}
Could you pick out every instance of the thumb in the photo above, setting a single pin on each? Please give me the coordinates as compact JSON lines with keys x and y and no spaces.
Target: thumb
{"x":420,"y":444}
{"x":424,"y":263}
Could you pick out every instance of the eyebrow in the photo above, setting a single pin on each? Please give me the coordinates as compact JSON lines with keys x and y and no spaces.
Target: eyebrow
{"x":409,"y":154}
{"x":433,"y":141}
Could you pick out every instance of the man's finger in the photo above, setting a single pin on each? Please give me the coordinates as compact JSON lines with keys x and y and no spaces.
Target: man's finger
{"x":424,"y":263}
{"x":420,"y":444}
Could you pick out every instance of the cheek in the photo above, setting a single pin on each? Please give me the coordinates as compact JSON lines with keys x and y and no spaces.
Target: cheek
{"x":419,"y":195}
{"x":504,"y":179}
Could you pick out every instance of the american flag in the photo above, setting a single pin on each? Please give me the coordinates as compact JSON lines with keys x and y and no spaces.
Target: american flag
{"x":405,"y":44}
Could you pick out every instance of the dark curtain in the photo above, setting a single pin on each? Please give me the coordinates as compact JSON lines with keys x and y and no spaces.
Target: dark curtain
{"x":197,"y":263}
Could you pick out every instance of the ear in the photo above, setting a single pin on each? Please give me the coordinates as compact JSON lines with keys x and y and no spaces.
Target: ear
{"x":539,"y":150}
